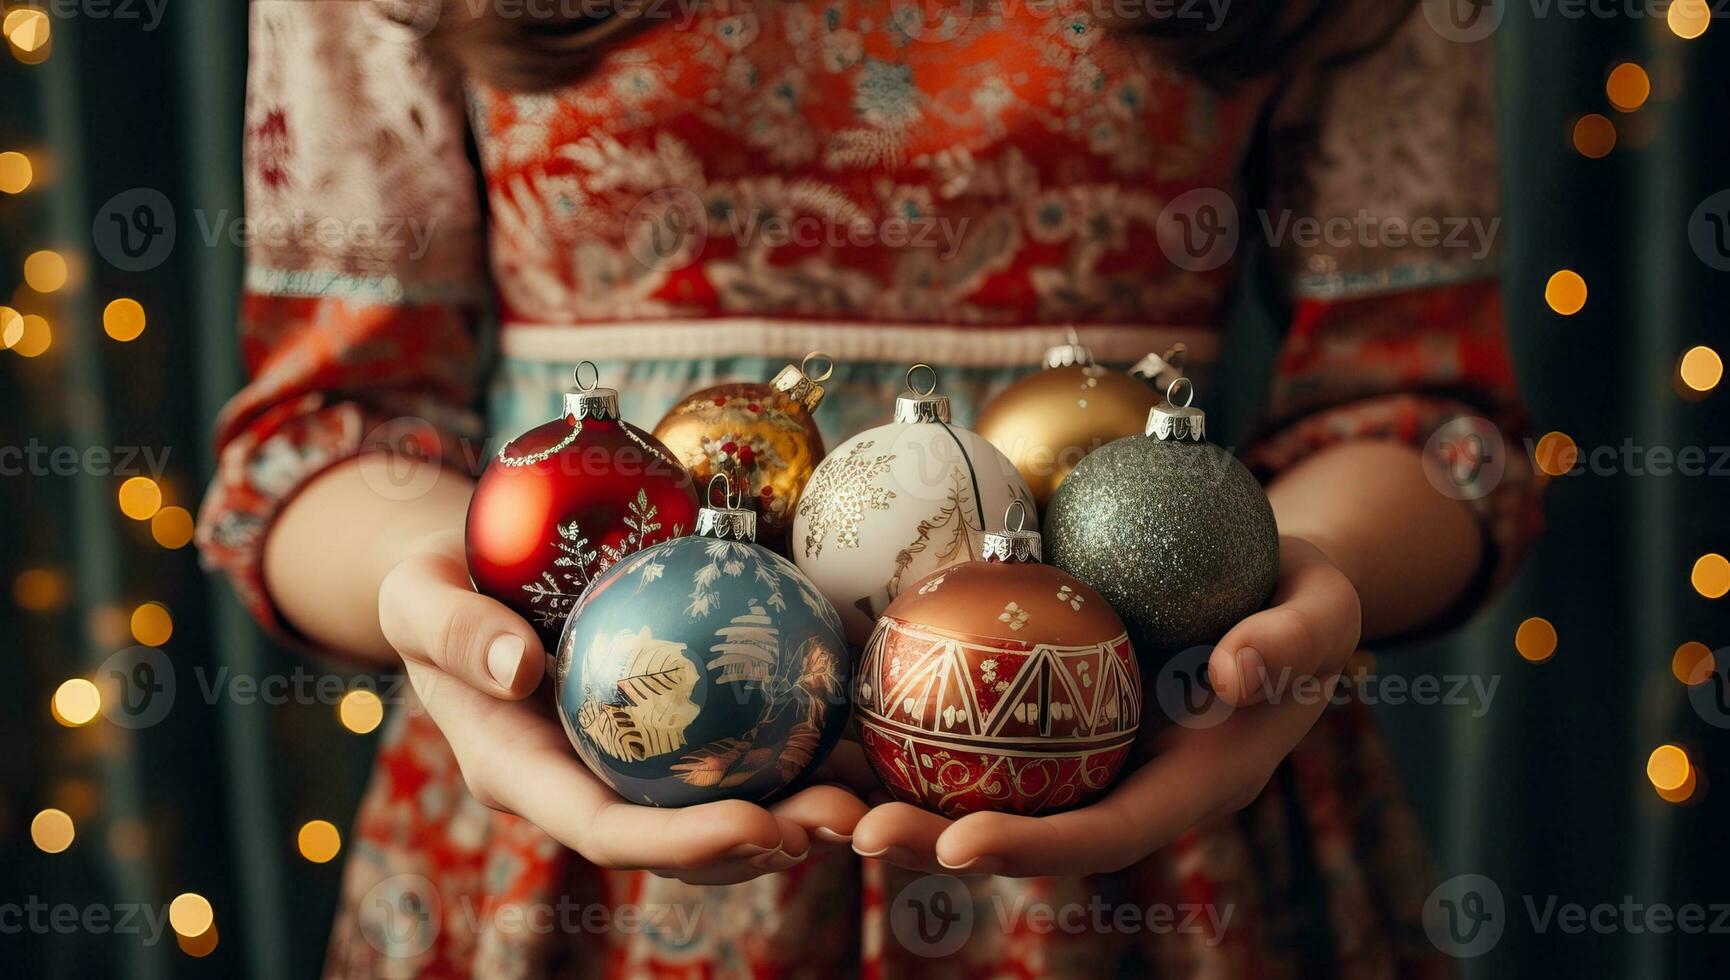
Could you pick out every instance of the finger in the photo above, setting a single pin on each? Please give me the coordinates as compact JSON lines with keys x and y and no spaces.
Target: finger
{"x":901,"y":834}
{"x":826,"y":813}
{"x":1205,"y":774}
{"x":428,"y":611}
{"x":1310,"y":629}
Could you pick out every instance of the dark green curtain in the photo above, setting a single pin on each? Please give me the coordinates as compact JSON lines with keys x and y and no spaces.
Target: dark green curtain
{"x":1545,"y":792}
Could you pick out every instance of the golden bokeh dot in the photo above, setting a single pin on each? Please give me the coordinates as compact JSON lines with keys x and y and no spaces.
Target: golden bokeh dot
{"x":172,"y":527}
{"x":319,"y":841}
{"x":1693,"y":663}
{"x":360,"y":711}
{"x":1701,"y":368}
{"x":27,"y":28}
{"x":140,"y":498}
{"x":1668,"y":767}
{"x":52,"y":831}
{"x":1566,"y":292}
{"x":39,"y":590}
{"x":198,"y":946}
{"x":45,"y":271}
{"x":1628,"y":86}
{"x":34,"y":336}
{"x":123,"y":319}
{"x":11,"y":326}
{"x":1711,"y":575}
{"x":78,"y":796}
{"x":1535,"y":640}
{"x":190,"y":914}
{"x":1688,"y":19}
{"x":152,"y":625}
{"x":76,"y":702}
{"x":1682,"y":793}
{"x":15,"y":172}
{"x":1594,"y":135}
{"x":1556,"y":453}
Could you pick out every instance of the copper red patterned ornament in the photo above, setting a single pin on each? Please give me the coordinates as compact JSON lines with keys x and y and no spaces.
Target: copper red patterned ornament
{"x":566,"y":499}
{"x":1002,"y":684}
{"x":1047,"y":421}
{"x":761,"y":436}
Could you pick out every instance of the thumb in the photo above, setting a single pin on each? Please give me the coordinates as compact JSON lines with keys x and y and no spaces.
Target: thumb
{"x":430,"y":614}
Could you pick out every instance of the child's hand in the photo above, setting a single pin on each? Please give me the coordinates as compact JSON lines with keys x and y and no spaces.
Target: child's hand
{"x":474,"y":665}
{"x":1196,"y":776}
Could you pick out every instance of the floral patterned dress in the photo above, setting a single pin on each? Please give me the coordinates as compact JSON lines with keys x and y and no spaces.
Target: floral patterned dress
{"x":843,"y":176}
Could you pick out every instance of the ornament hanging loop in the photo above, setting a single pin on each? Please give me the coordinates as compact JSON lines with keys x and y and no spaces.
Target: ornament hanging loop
{"x":1188,"y":391}
{"x":798,"y":383}
{"x":1015,"y":543}
{"x":727,"y":500}
{"x":913,"y":386}
{"x":577,"y":376}
{"x":1172,"y":421}
{"x":817,"y":357}
{"x":922,"y":404}
{"x":1015,"y":515}
{"x":590,"y":401}
{"x":730,"y":520}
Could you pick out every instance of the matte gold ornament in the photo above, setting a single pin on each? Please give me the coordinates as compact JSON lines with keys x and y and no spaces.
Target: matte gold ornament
{"x":897,"y":502}
{"x":761,"y":436}
{"x":1171,"y":529}
{"x":1000,"y":684}
{"x":1046,"y":422}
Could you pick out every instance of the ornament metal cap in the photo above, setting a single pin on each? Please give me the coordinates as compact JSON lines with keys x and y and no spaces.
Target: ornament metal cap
{"x":590,"y":401}
{"x":1015,"y":543}
{"x":1173,"y":422}
{"x":922,"y":406}
{"x":726,"y":521}
{"x":797,"y":383}
{"x":1070,"y":354}
{"x":1162,"y":369}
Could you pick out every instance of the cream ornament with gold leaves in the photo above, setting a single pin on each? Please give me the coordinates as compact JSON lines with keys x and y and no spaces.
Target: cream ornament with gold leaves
{"x":895,"y":503}
{"x":703,"y":668}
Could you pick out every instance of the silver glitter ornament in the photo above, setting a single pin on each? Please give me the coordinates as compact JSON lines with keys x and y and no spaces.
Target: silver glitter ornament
{"x":1171,"y":529}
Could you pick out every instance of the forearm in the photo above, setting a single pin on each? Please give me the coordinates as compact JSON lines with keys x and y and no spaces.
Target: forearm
{"x":339,"y":537}
{"x":1409,"y":551}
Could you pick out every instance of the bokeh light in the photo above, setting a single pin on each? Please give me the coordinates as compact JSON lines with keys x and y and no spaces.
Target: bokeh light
{"x":16,"y":172}
{"x":52,"y":830}
{"x":1594,"y":135}
{"x":34,"y":336}
{"x":1628,"y":86}
{"x":40,"y":590}
{"x":11,"y":327}
{"x":172,"y":527}
{"x":1711,"y":575}
{"x":1556,"y":454}
{"x":1693,"y":663}
{"x":28,"y":31}
{"x":152,"y":625}
{"x":140,"y":498}
{"x":190,"y":914}
{"x":360,"y":711}
{"x":198,"y":946}
{"x":1701,"y":368}
{"x":123,"y":319}
{"x":1535,"y":640}
{"x":1688,"y":19}
{"x":319,"y":841}
{"x":76,"y":702}
{"x":45,"y":270}
{"x":1667,"y":767}
{"x":1566,"y":292}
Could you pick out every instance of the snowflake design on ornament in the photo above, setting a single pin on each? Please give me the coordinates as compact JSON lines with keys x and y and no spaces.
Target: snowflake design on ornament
{"x":839,"y":494}
{"x":1069,"y":595}
{"x":1014,"y":615}
{"x":579,"y":564}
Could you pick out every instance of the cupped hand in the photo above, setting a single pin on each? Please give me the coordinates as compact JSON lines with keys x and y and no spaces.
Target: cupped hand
{"x":478,"y":670}
{"x":1273,"y":673}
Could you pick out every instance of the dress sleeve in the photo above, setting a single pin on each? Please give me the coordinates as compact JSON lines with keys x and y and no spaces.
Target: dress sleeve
{"x":1384,"y":219}
{"x":364,"y":276}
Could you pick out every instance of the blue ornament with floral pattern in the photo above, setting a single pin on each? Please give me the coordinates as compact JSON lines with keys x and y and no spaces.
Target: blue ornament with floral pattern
{"x":704,"y":668}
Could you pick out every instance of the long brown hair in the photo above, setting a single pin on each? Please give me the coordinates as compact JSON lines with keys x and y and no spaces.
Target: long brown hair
{"x":531,"y":47}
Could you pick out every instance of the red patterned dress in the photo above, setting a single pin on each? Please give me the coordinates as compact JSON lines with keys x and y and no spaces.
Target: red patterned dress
{"x":964,"y":197}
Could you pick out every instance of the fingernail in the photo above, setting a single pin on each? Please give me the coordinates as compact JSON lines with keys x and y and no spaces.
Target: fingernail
{"x":505,"y":658}
{"x":1251,"y":671}
{"x":894,"y":855}
{"x":981,"y":865}
{"x":776,"y":861}
{"x":828,"y":836}
{"x":749,"y":851}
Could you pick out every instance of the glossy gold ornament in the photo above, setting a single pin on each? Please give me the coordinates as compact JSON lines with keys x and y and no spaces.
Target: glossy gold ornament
{"x":761,"y":436}
{"x":1046,"y":422}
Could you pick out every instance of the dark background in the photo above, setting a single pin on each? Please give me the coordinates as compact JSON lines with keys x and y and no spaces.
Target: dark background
{"x":1546,"y":793}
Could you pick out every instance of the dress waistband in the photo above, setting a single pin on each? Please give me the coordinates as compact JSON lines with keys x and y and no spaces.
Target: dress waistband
{"x":947,"y":344}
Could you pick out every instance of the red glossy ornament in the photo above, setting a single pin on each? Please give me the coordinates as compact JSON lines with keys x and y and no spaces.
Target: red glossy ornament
{"x":1001,"y":684}
{"x":564,"y":500}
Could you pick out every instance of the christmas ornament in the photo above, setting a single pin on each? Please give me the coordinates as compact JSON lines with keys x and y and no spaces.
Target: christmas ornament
{"x":1001,"y":684}
{"x":760,"y":435}
{"x":1045,"y":422}
{"x":1171,"y":529}
{"x":897,"y":502}
{"x":566,"y":499}
{"x":704,"y":668}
